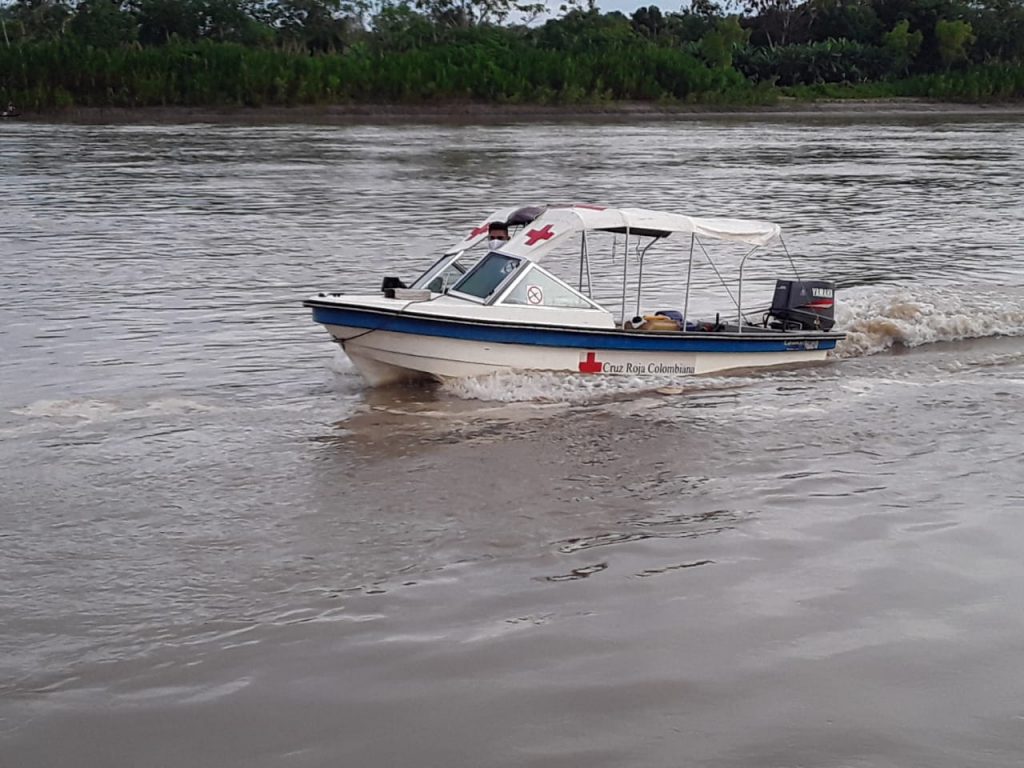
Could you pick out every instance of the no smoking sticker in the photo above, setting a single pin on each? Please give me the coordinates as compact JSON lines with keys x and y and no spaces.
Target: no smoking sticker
{"x":534,"y":294}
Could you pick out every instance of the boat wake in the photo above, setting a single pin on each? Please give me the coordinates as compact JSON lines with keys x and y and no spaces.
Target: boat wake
{"x":346,"y":378}
{"x":91,"y":413}
{"x":96,"y":411}
{"x":550,"y":387}
{"x":876,"y":320}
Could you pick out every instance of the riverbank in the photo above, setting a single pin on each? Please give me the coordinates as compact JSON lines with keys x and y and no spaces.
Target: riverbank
{"x":472,"y":112}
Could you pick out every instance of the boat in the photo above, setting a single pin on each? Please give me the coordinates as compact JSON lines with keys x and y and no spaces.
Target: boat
{"x":9,"y":112}
{"x":488,"y":305}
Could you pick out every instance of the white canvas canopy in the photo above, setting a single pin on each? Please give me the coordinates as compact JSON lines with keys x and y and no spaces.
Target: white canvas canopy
{"x":749,"y":231}
{"x":557,"y":223}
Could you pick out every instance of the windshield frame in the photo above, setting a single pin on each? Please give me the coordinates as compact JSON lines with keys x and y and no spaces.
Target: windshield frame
{"x":499,"y":288}
{"x":438,"y":268}
{"x":524,"y":274}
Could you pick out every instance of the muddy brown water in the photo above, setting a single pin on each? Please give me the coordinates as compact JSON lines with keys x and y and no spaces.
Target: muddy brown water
{"x":219,"y":548}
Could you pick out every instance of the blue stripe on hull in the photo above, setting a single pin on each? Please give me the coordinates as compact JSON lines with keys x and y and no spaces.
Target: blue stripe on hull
{"x":554,"y":337}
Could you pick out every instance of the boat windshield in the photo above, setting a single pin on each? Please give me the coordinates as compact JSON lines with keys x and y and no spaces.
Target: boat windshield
{"x":446,"y":271}
{"x":485,"y":277}
{"x":539,"y":289}
{"x":445,"y":279}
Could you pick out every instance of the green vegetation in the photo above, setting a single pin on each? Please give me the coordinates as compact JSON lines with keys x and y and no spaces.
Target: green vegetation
{"x":56,"y":53}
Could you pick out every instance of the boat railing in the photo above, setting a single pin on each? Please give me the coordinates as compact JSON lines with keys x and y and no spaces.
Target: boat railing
{"x":733,"y":288}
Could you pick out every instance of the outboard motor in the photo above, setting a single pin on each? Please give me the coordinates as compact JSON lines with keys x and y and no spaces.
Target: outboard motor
{"x":802,"y":305}
{"x":389,"y":284}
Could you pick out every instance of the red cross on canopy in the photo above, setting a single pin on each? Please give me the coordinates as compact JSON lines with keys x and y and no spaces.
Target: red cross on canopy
{"x":536,"y":235}
{"x":478,"y":231}
{"x":591,"y":364}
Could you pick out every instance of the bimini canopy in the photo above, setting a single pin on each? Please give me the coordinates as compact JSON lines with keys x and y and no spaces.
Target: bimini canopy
{"x":512,"y":216}
{"x":558,"y":223}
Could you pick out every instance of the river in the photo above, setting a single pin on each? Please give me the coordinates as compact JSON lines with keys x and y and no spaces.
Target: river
{"x":219,"y":548}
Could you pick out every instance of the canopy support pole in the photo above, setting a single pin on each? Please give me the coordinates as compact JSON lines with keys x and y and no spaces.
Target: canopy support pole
{"x":640,"y":279}
{"x":739,"y":294}
{"x":791,"y":262}
{"x":583,"y":255}
{"x":586,"y":261}
{"x":625,"y":272}
{"x":689,"y":272}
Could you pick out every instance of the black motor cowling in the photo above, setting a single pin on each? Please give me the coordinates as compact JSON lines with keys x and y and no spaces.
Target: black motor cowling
{"x":804,"y":305}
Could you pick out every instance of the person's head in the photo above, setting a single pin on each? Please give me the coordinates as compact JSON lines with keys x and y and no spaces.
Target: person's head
{"x":497,"y":234}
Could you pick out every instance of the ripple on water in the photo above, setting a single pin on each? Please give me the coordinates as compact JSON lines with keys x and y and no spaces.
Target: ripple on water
{"x":205,"y":510}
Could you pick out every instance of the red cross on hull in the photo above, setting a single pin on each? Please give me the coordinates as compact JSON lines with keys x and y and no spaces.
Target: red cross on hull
{"x":478,"y":231}
{"x":591,"y":364}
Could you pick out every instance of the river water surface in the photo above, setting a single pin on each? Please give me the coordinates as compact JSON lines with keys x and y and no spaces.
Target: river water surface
{"x":218,"y":548}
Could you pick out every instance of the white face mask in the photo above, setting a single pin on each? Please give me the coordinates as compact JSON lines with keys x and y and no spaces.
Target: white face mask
{"x":496,"y":244}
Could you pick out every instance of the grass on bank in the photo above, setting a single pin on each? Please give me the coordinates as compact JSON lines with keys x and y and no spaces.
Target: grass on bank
{"x":53,"y":76}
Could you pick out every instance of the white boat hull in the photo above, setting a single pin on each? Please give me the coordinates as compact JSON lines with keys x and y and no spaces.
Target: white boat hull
{"x":385,"y":357}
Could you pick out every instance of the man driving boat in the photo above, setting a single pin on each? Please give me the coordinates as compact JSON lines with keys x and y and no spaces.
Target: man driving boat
{"x":497,"y":235}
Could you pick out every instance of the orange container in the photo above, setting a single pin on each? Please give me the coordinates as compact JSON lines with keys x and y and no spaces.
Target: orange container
{"x":660,"y":323}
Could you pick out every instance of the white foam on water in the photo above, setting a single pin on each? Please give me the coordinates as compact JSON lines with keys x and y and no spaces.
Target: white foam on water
{"x":347,"y":377}
{"x":878,"y":319}
{"x":90,"y":410}
{"x":517,"y":387}
{"x":341,"y":364}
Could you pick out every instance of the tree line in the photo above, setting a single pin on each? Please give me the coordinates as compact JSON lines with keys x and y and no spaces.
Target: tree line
{"x":58,"y":53}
